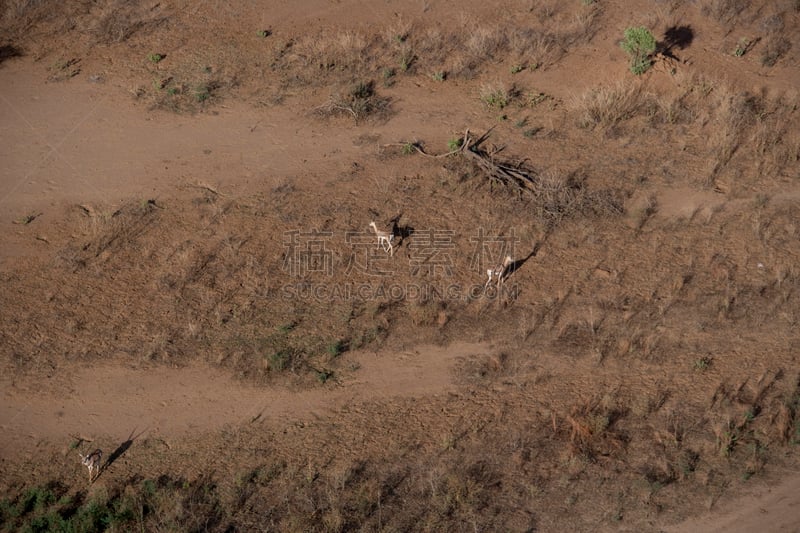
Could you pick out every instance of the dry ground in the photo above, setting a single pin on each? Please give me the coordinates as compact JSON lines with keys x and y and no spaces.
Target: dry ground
{"x":189,"y":284}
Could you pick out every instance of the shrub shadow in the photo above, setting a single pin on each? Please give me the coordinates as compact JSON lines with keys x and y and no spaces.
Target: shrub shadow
{"x":675,"y":38}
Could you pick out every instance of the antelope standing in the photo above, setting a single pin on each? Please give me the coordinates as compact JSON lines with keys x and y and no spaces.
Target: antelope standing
{"x":92,"y":462}
{"x":500,"y":272}
{"x":385,"y":239}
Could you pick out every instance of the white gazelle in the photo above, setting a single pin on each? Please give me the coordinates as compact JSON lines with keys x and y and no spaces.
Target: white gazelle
{"x":385,"y":238}
{"x":499,"y":273}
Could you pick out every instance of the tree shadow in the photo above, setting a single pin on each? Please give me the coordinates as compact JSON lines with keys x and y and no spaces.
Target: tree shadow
{"x":8,"y":51}
{"x":675,"y":38}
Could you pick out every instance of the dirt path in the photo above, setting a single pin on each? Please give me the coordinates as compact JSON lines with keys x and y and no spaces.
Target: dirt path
{"x":87,"y":144}
{"x":774,"y":508}
{"x":114,"y":400}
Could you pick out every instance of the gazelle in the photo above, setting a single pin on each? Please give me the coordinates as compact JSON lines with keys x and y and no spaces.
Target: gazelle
{"x":385,"y":238}
{"x":92,"y":462}
{"x":500,"y":272}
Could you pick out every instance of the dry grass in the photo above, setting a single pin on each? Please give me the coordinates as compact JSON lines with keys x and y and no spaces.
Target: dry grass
{"x":725,"y":11}
{"x":398,"y":456}
{"x":359,"y":101}
{"x":462,"y":50}
{"x":610,"y":105}
{"x":20,"y":16}
{"x":755,"y":125}
{"x":775,"y":48}
{"x":534,"y":48}
{"x":592,"y":430}
{"x":558,"y":197}
{"x":675,"y":109}
{"x":108,"y":22}
{"x":339,"y":50}
{"x":119,"y":20}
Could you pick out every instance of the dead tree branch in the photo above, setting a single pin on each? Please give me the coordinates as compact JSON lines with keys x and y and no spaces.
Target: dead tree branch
{"x":513,"y":176}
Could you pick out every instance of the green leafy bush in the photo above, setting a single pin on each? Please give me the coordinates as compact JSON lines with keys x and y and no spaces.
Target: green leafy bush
{"x":640,"y":45}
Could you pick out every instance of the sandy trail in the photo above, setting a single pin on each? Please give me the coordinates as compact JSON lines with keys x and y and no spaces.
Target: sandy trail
{"x":84,"y":145}
{"x":90,"y":145}
{"x":113,"y":400}
{"x":768,"y":509}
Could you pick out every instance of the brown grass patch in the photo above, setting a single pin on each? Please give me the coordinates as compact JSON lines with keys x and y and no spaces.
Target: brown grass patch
{"x":359,"y":101}
{"x":725,"y":11}
{"x":337,"y":50}
{"x":612,"y":104}
{"x":592,"y":428}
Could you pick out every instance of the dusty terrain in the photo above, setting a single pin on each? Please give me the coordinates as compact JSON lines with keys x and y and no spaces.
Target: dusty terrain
{"x":189,"y":282}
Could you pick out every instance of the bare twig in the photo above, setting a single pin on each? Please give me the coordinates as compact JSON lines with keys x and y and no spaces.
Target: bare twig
{"x":27,"y":219}
{"x":208,"y":188}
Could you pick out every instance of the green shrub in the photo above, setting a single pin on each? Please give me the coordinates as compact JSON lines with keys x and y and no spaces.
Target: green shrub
{"x":455,"y":143}
{"x":336,"y":348}
{"x":496,"y":96}
{"x":640,"y":45}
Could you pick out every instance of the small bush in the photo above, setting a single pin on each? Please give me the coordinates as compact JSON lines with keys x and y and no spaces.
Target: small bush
{"x":702,"y":363}
{"x":335,"y":348}
{"x":640,"y":45}
{"x":323,"y":375}
{"x":202,"y":93}
{"x":406,"y":59}
{"x":360,"y":102}
{"x":280,"y":360}
{"x":455,"y":143}
{"x":155,"y":58}
{"x":496,"y":96}
{"x":742,"y":47}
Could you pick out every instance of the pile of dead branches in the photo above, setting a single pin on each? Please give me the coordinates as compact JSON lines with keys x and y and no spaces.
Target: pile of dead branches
{"x":552,"y":195}
{"x":514,"y":176}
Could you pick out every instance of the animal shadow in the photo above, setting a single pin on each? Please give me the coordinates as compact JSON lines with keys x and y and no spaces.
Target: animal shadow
{"x":402,"y":232}
{"x":122,"y":448}
{"x":516,"y":265}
